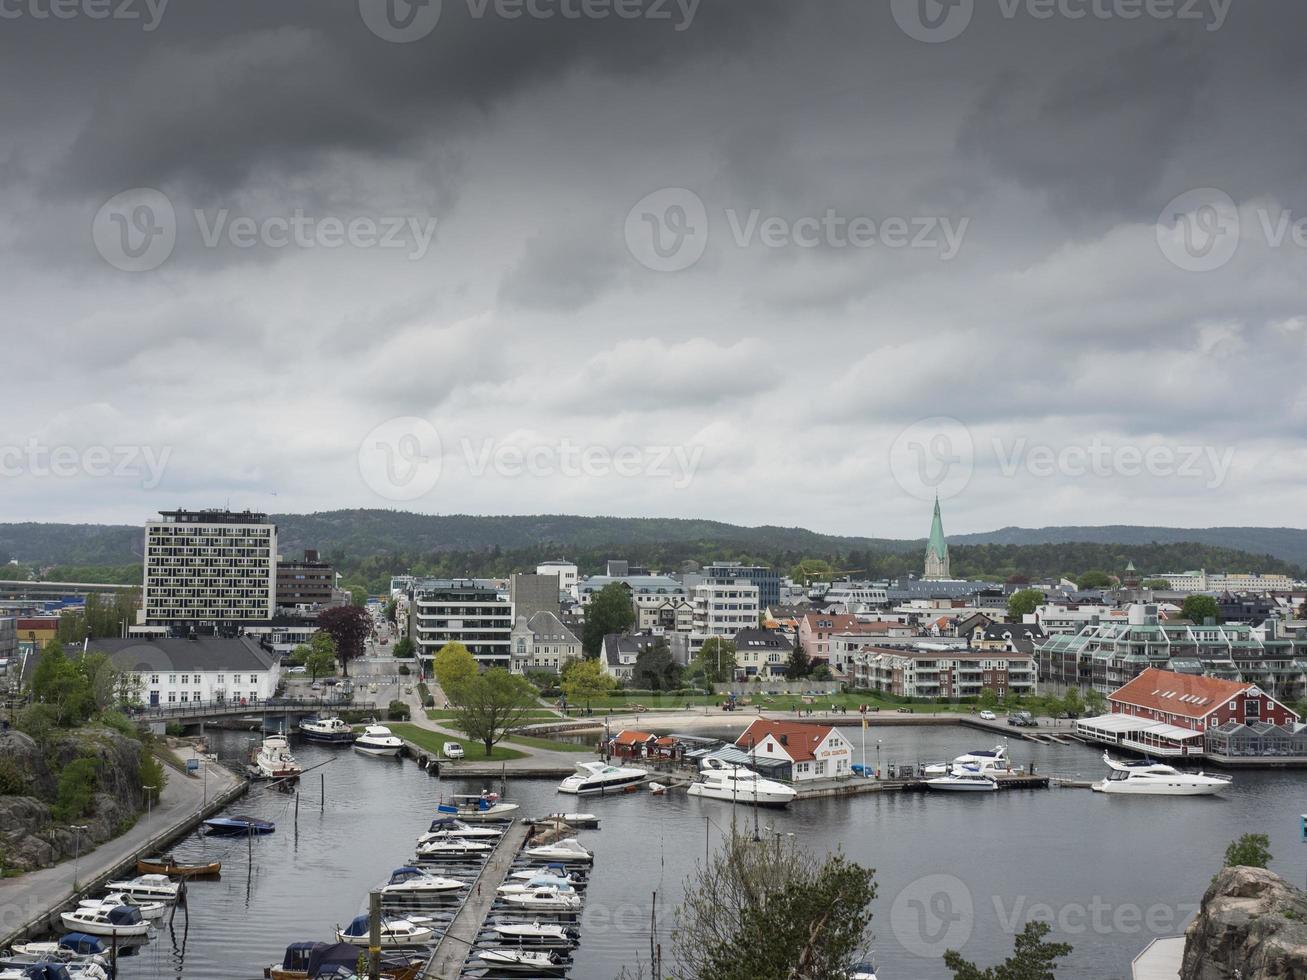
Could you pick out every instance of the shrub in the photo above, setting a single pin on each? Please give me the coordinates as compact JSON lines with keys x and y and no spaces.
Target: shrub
{"x":151,"y":775}
{"x":120,"y":723}
{"x":397,"y":711}
{"x":404,"y":670}
{"x":37,"y":720}
{"x":13,"y":781}
{"x":174,"y":729}
{"x":76,"y":790}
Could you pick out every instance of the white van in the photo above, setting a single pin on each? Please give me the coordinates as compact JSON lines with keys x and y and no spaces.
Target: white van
{"x":453,"y":750}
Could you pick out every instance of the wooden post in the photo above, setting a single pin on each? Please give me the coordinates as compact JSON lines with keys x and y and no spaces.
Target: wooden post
{"x":322,"y":795}
{"x":374,"y":935}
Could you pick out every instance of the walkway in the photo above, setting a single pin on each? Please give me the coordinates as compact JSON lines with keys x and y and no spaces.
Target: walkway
{"x":26,"y":900}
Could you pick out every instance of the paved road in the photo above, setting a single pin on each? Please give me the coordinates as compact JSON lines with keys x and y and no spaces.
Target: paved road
{"x":24,"y":898}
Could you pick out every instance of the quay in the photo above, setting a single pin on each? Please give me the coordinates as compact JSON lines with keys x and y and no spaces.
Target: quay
{"x":450,"y":954}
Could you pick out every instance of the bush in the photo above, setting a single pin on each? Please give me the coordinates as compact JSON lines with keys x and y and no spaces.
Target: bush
{"x":36,"y":720}
{"x":424,"y":694}
{"x":174,"y":729}
{"x":120,"y":723}
{"x":13,"y":781}
{"x":76,"y":790}
{"x":404,"y":670}
{"x":151,"y":775}
{"x":397,"y":711}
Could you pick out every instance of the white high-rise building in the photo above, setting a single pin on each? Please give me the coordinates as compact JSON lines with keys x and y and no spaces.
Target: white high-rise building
{"x":567,"y":572}
{"x":209,"y":566}
{"x":722,"y":608}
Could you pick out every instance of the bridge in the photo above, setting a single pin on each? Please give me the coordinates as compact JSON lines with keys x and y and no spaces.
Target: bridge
{"x":201,"y":711}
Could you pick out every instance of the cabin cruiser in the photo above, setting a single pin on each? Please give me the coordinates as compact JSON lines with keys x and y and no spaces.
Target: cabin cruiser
{"x":418,"y":881}
{"x":596,"y":778}
{"x":991,"y":761}
{"x":566,"y":851}
{"x":378,"y":740}
{"x":159,"y":888}
{"x":120,"y":921}
{"x":1148,"y":777}
{"x":149,"y":910}
{"x":312,"y":959}
{"x":556,"y":871}
{"x":584,"y":821}
{"x":737,"y":784}
{"x":453,"y":848}
{"x":537,"y":933}
{"x":556,"y":882}
{"x":394,"y":932}
{"x":965,"y":780}
{"x":479,"y":808}
{"x":330,"y":729}
{"x":534,"y":962}
{"x":85,"y":957}
{"x":443,"y":828}
{"x":274,"y":759}
{"x":544,"y":900}
{"x":31,"y":968}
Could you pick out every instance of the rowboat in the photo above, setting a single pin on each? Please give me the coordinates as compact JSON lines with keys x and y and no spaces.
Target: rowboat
{"x":168,"y":865}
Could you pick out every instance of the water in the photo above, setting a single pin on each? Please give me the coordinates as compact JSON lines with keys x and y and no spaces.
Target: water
{"x":963,"y":870}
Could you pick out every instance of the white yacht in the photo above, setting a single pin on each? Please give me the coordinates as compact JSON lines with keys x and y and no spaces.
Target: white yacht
{"x":453,"y":847}
{"x":394,"y":932}
{"x":330,"y":730}
{"x":537,"y":933}
{"x":567,"y":851}
{"x":964,"y":780}
{"x":991,"y":761}
{"x":121,"y":921}
{"x":1148,"y":777}
{"x":418,"y":881}
{"x":544,"y":900}
{"x":535,"y":962}
{"x":274,"y":759}
{"x":481,"y":808}
{"x":737,"y":784}
{"x":443,"y":828}
{"x":595,"y":778}
{"x":148,"y":910}
{"x":378,"y":740}
{"x":557,"y":883}
{"x":160,"y":888}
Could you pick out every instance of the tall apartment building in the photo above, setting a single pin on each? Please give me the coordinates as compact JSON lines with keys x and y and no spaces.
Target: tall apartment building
{"x":474,"y":612}
{"x":305,"y":582}
{"x":209,"y":566}
{"x":723,"y":607}
{"x":768,"y":580}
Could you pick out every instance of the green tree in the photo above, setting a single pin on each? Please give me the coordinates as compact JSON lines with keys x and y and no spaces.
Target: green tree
{"x":1200,"y":608}
{"x":799,"y":665}
{"x":76,"y":789}
{"x":1249,"y":851}
{"x":1095,"y":703}
{"x":454,"y":665}
{"x":715,"y":661}
{"x":1094,"y":580}
{"x":320,"y":663}
{"x":391,"y":607}
{"x":300,"y":654}
{"x":656,"y":669}
{"x":1033,"y":959}
{"x":490,"y":704}
{"x":609,"y":611}
{"x":988,"y":698}
{"x":1072,"y":703}
{"x":60,"y":683}
{"x":584,"y":679}
{"x":405,"y":647}
{"x":349,"y":627}
{"x":1022,"y":603}
{"x":1155,"y":583}
{"x":821,"y":672}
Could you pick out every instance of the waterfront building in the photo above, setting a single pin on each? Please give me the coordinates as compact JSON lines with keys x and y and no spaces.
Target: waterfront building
{"x":762,"y":653}
{"x":542,"y":642}
{"x":937,"y":565}
{"x":934,"y":671}
{"x":474,"y":612}
{"x":567,"y":572}
{"x":172,"y":670}
{"x":209,"y":566}
{"x":806,"y":751}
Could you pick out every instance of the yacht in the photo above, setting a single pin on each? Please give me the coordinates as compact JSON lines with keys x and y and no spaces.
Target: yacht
{"x":331,"y":730}
{"x":120,"y":920}
{"x":1148,"y":777}
{"x":378,"y":740}
{"x":534,"y":962}
{"x":557,"y":872}
{"x":593,"y":778}
{"x":274,"y":760}
{"x":965,"y":780}
{"x":544,"y":900}
{"x":394,"y":932}
{"x":148,"y":910}
{"x":537,"y":933}
{"x":159,"y":888}
{"x":443,"y":828}
{"x":453,"y":848}
{"x":558,"y":883}
{"x":418,"y":881}
{"x":737,"y":784}
{"x":567,"y":851}
{"x":991,"y":761}
{"x":484,"y":807}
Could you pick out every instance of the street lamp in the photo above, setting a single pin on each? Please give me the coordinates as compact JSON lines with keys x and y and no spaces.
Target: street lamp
{"x":150,"y":790}
{"x":77,"y":829}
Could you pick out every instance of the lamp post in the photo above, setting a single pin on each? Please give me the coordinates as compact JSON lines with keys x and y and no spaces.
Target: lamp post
{"x":150,"y":790}
{"x":77,"y":829}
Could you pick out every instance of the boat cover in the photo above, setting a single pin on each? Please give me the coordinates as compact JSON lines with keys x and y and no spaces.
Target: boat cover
{"x":400,"y":875}
{"x":125,"y":915}
{"x":81,"y":943}
{"x":298,"y":955}
{"x":328,"y":956}
{"x":47,"y":971}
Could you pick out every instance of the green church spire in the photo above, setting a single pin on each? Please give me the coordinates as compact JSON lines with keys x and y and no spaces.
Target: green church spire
{"x":936,"y":548}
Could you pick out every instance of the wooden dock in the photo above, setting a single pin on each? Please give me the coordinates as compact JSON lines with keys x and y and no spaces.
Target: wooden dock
{"x":450,"y":954}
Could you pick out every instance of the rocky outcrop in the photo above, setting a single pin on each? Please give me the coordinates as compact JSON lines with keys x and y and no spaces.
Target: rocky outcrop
{"x":1252,"y":926}
{"x":30,"y":837}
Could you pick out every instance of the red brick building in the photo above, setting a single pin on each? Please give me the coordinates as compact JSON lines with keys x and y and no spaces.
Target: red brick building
{"x":1196,"y":702}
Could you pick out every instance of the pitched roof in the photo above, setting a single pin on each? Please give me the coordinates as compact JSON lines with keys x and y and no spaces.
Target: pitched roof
{"x":177,"y":653}
{"x":799,"y":740}
{"x":766,"y":639}
{"x":1190,"y":695}
{"x":632,"y":737}
{"x":545,"y":623}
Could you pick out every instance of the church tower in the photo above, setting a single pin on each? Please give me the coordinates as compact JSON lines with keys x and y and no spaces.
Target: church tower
{"x":936,"y":549}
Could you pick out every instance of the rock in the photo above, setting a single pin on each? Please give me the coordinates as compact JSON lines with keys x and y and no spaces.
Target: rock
{"x":1252,"y":926}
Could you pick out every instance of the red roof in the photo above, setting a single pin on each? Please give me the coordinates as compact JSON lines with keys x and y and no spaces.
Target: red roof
{"x":625,"y":737}
{"x":1190,"y":695}
{"x":840,"y":622}
{"x":42,"y":623}
{"x":800,"y":740}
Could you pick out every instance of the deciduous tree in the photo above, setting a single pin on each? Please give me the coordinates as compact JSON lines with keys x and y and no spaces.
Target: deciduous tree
{"x":1022,"y":603}
{"x":584,"y":679}
{"x":1249,"y":851}
{"x":1200,"y":608}
{"x":656,"y":669}
{"x":609,"y":611}
{"x":349,"y":627}
{"x":454,"y":665}
{"x":491,"y":704}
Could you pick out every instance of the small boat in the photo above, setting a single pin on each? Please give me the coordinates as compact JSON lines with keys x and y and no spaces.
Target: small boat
{"x":574,"y":876}
{"x":737,"y":784}
{"x":537,"y":933}
{"x":657,"y":789}
{"x":148,"y":910}
{"x":121,"y":920}
{"x":305,"y":960}
{"x":598,"y":778}
{"x":479,"y":808}
{"x":453,"y":847}
{"x":536,"y":962}
{"x":446,"y":827}
{"x":583,"y":821}
{"x":156,"y":887}
{"x":378,"y":740}
{"x":984,"y":760}
{"x":1148,"y":777}
{"x":69,"y":944}
{"x":866,"y":970}
{"x":330,"y":730}
{"x":394,"y":932}
{"x":238,"y":826}
{"x":559,"y":883}
{"x":274,"y":761}
{"x":544,"y":900}
{"x":169,"y":866}
{"x":566,"y":851}
{"x":964,"y":781}
{"x":417,"y":881}
{"x":32,"y":968}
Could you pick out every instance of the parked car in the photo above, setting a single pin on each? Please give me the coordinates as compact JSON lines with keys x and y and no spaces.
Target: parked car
{"x":987,"y":715}
{"x":301,"y":669}
{"x":452,"y":750}
{"x":1022,"y":719}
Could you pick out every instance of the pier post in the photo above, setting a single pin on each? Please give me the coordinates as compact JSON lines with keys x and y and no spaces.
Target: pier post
{"x":374,"y":935}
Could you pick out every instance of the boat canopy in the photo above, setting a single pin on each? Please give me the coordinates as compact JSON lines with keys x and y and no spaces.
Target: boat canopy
{"x":444,"y":808}
{"x":401,"y":875}
{"x":47,"y":971}
{"x":328,"y":956}
{"x":81,"y":943}
{"x":298,"y":955}
{"x":358,"y":927}
{"x":125,"y":915}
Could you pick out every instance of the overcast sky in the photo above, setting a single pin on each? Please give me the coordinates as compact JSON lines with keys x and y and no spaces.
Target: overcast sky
{"x":785,"y":263}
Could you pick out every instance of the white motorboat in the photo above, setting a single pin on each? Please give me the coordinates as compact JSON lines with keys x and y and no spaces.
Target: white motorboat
{"x":274,"y":759}
{"x":418,"y":881}
{"x":544,"y":900}
{"x":737,"y":784}
{"x":73,"y":969}
{"x":394,"y":932}
{"x":331,"y":730}
{"x":865,"y":970}
{"x":555,"y":871}
{"x":378,"y":740}
{"x":566,"y":851}
{"x":990,"y":761}
{"x":448,"y":827}
{"x":582,"y":820}
{"x":597,"y":778}
{"x":159,"y":888}
{"x":537,"y":933}
{"x":481,"y":808}
{"x":120,"y":920}
{"x":454,"y":847}
{"x":557,"y":883}
{"x":962,"y":780}
{"x":148,"y":910}
{"x":537,"y":962}
{"x":1148,"y":777}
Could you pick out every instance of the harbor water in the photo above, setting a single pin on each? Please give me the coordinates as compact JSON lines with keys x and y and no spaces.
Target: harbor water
{"x":961,"y":871}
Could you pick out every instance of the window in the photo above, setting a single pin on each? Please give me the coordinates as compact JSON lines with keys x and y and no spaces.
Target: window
{"x":254,"y":678}
{"x":154,"y":678}
{"x":172,"y":678}
{"x":172,"y":697}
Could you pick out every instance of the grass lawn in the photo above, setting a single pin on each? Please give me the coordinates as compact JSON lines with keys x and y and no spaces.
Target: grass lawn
{"x":548,"y":743}
{"x":433,"y":742}
{"x":444,"y":714}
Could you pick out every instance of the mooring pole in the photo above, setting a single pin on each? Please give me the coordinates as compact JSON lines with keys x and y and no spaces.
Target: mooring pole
{"x":374,"y":935}
{"x":322,"y":792}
